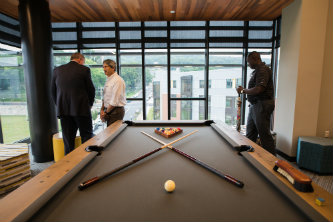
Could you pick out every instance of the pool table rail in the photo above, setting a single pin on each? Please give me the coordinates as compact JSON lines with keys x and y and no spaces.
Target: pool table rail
{"x":22,"y":203}
{"x":265,"y":162}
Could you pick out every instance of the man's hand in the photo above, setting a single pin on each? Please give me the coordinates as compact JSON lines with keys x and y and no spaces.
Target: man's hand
{"x":108,"y":110}
{"x":239,"y":89}
{"x":102,"y":115}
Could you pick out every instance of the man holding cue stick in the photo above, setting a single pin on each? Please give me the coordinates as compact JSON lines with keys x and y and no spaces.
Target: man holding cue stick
{"x":239,"y":108}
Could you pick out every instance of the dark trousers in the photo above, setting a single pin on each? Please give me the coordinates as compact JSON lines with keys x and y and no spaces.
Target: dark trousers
{"x":258,"y":123}
{"x":117,"y":113}
{"x":70,"y":125}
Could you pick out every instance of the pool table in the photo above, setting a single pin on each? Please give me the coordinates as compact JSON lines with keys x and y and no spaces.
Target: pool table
{"x":137,"y":193}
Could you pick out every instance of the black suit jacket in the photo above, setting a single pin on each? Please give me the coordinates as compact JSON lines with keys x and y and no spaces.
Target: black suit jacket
{"x":72,"y":90}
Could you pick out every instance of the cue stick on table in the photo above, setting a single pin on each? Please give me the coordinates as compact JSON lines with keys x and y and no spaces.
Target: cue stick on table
{"x":98,"y":178}
{"x":224,"y":176}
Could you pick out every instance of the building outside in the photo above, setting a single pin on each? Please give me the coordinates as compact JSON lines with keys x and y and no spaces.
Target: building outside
{"x":222,"y":104}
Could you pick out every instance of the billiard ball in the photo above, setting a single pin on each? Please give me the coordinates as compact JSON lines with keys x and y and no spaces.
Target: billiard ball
{"x":169,"y":186}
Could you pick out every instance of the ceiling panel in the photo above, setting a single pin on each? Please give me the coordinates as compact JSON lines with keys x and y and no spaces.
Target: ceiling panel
{"x":156,"y":10}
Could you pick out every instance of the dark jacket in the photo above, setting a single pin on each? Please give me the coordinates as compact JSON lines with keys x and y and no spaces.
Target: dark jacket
{"x":72,"y":90}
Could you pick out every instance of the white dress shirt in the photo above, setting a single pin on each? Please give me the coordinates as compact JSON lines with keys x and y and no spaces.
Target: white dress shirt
{"x":114,"y":93}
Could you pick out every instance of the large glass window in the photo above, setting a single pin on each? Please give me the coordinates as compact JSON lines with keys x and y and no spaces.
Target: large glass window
{"x":231,"y":110}
{"x":13,"y":101}
{"x":61,"y":57}
{"x":225,"y":68}
{"x":156,"y":75}
{"x":188,"y":69}
{"x":130,"y":69}
{"x":201,"y":108}
{"x":153,"y":56}
{"x":133,"y":110}
{"x":174,"y":110}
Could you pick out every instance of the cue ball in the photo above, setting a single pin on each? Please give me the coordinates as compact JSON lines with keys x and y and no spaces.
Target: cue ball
{"x":169,"y":186}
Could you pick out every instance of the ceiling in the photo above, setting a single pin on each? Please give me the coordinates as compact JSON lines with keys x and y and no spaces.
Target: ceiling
{"x":156,"y":10}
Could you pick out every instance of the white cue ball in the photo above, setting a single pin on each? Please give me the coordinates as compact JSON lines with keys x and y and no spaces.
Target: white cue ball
{"x":169,"y":186}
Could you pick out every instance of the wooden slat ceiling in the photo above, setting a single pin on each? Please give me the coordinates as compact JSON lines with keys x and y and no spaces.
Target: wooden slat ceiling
{"x":156,"y":10}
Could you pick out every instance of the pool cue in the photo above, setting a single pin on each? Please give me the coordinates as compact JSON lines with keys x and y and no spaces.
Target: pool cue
{"x":99,"y":178}
{"x":215,"y":171}
{"x":239,"y":105}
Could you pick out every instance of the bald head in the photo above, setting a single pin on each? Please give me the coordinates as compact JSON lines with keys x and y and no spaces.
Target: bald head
{"x":253,"y":59}
{"x":78,"y":57}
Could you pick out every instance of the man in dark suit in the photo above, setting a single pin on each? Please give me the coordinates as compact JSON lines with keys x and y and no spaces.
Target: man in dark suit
{"x":73,"y":93}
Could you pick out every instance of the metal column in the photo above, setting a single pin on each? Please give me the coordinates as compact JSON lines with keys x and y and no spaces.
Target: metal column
{"x":36,"y":42}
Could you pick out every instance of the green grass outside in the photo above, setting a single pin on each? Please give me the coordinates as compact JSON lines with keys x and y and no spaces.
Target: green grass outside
{"x":14,"y":128}
{"x":150,"y":115}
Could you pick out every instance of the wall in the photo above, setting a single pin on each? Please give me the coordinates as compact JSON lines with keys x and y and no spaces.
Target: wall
{"x":287,"y":76}
{"x":303,"y":38}
{"x":325,"y":114}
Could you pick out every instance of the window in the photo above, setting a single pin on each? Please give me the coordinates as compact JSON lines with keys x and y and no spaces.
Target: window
{"x":186,"y":110}
{"x":202,"y":84}
{"x":61,"y":57}
{"x":141,"y":49}
{"x":173,"y":104}
{"x":231,"y":109}
{"x":94,"y":60}
{"x":156,"y":101}
{"x":224,"y":68}
{"x":201,"y":108}
{"x":228,"y":119}
{"x":229,"y":83}
{"x":156,"y":84}
{"x":233,"y":83}
{"x":174,"y":84}
{"x":130,"y":69}
{"x":238,"y":82}
{"x":209,"y":107}
{"x":4,"y":84}
{"x":186,"y":86}
{"x":228,"y":102}
{"x":186,"y":91}
{"x":13,"y":101}
{"x":187,"y":67}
